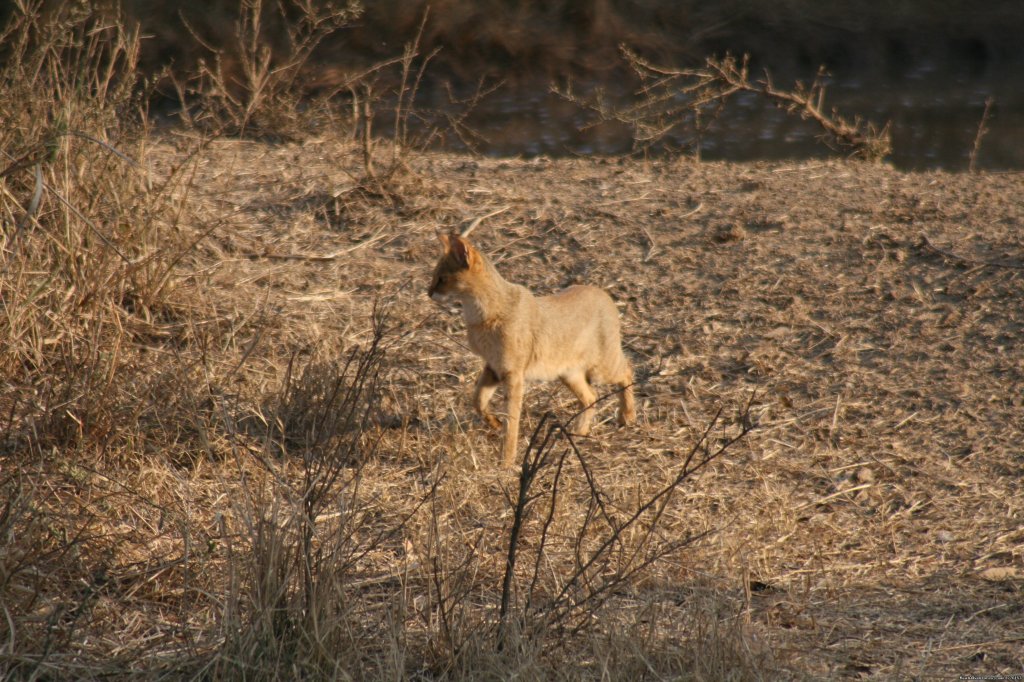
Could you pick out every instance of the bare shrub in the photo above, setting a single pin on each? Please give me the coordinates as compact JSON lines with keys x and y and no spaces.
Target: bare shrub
{"x":253,"y":87}
{"x":574,"y":556}
{"x":386,"y":92}
{"x":370,"y":89}
{"x":293,"y":605}
{"x":611,"y":547}
{"x":671,"y":99}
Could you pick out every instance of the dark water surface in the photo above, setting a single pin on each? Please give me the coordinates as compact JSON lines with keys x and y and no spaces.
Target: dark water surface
{"x":934,"y":114}
{"x":926,"y":66}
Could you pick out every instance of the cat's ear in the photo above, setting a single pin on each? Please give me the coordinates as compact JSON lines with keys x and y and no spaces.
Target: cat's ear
{"x":463,"y":251}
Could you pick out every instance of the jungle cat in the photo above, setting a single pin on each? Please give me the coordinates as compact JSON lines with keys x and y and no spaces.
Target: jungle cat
{"x":572,"y":335}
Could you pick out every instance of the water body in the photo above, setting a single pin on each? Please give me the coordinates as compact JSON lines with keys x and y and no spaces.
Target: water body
{"x":925,"y":66}
{"x":934,"y":115}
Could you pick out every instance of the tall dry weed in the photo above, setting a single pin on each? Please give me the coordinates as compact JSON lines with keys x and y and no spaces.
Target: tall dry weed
{"x":89,"y":286}
{"x":88,"y":269}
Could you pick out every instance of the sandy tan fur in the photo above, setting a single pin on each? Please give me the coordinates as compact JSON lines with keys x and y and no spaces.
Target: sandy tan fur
{"x":572,"y":336}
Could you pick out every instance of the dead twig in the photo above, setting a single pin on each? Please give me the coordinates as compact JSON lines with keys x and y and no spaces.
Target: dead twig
{"x":652,"y":247}
{"x":479,"y":219}
{"x":318,"y":258}
{"x":698,"y":209}
{"x":807,"y":102}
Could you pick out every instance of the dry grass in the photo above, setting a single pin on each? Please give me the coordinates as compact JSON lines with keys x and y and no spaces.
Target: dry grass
{"x":852,"y":532}
{"x":237,"y":443}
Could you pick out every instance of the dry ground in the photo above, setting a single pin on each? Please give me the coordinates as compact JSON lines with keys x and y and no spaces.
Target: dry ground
{"x":871,"y":525}
{"x":881,"y":367}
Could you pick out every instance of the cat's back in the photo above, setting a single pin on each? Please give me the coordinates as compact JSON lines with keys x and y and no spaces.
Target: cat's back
{"x":578,"y":318}
{"x":580,"y":302}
